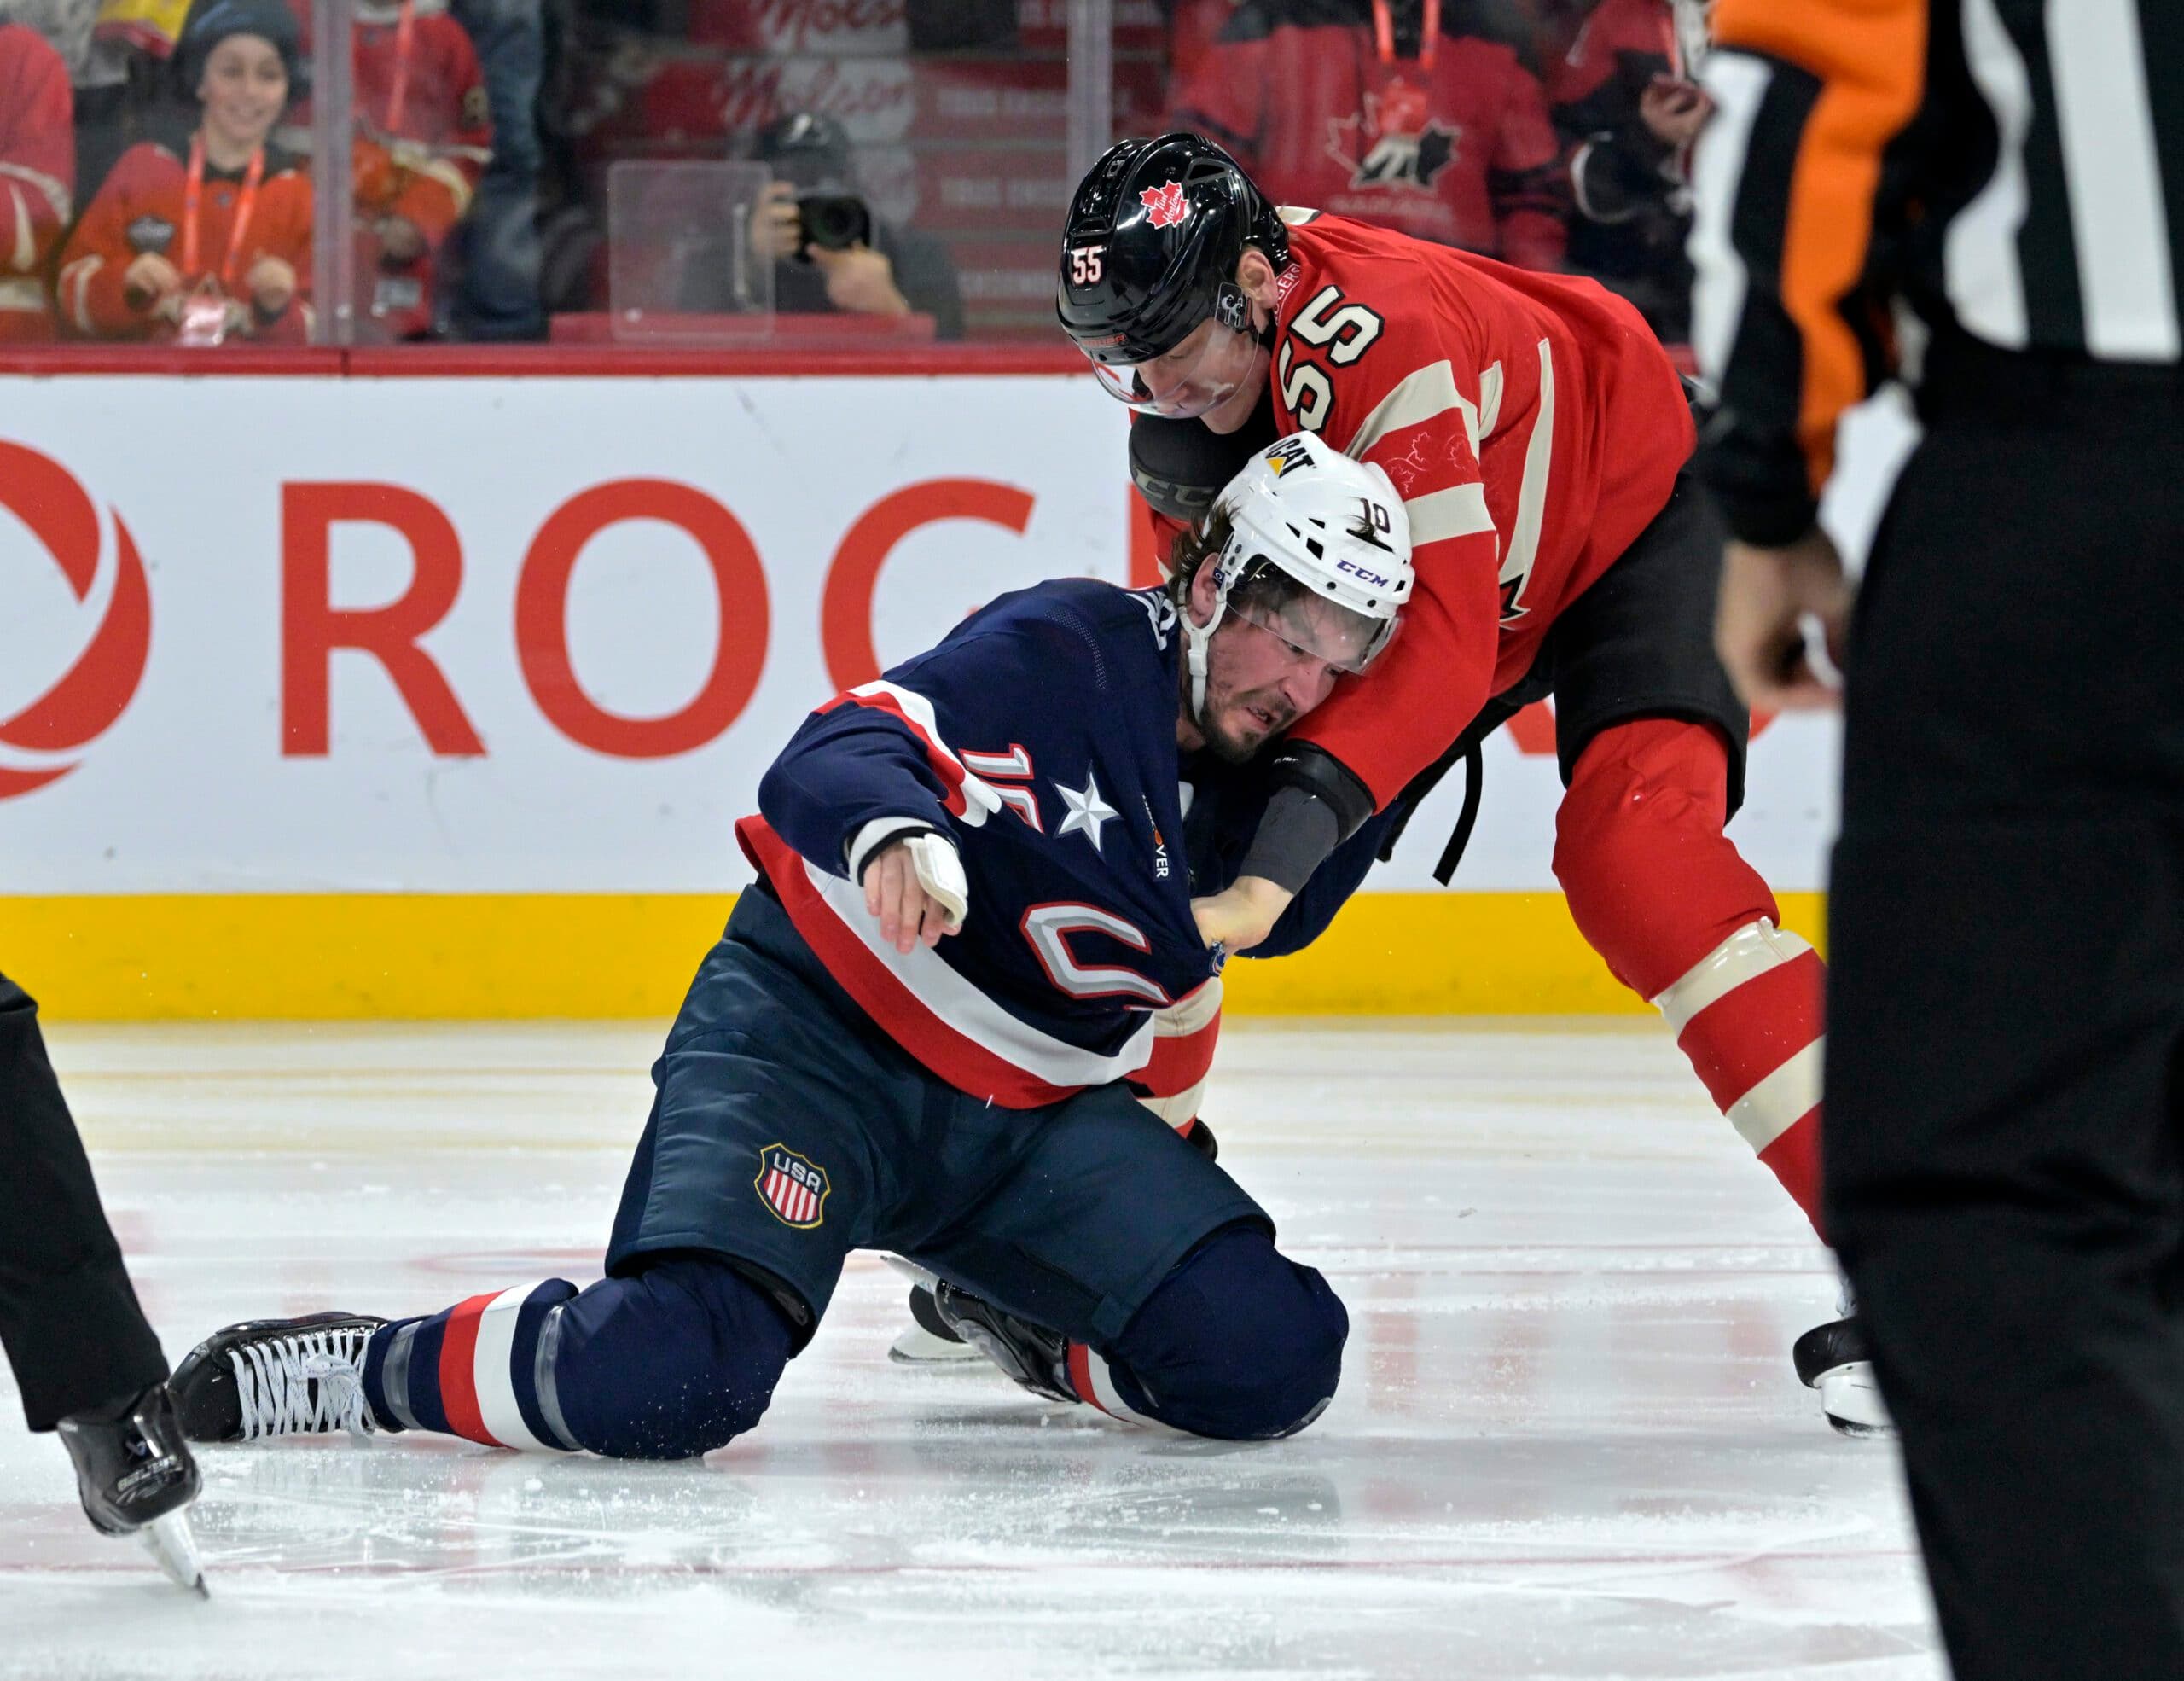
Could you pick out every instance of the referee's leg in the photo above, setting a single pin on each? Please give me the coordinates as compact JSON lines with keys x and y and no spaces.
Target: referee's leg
{"x":68,"y":1317}
{"x":2005,"y":1036}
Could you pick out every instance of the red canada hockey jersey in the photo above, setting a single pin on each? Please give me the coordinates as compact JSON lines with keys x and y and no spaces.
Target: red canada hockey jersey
{"x":38,"y":176}
{"x":141,"y":206}
{"x":1460,"y":151}
{"x":1533,"y":425}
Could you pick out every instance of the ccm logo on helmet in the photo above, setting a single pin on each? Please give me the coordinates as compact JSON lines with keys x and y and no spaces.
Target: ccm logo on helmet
{"x":1357,"y":571}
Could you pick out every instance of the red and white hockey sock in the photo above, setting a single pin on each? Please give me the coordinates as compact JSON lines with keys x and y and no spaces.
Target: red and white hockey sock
{"x":1748,"y":1014}
{"x":1094,"y":1382}
{"x":1664,"y":896}
{"x":483,"y":1369}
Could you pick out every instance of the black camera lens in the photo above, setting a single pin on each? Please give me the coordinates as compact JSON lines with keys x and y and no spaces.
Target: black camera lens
{"x":833,"y":221}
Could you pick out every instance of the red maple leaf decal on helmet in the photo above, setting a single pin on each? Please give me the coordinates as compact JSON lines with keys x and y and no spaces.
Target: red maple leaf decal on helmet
{"x":1164,"y":205}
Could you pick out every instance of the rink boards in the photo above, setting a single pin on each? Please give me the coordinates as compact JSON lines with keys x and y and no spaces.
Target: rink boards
{"x":439,"y":697}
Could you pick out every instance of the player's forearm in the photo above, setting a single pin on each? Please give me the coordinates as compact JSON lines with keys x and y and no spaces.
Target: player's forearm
{"x":835,"y":782}
{"x":1329,"y":889}
{"x":1318,"y":803}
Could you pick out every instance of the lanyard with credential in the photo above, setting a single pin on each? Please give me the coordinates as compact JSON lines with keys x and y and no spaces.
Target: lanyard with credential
{"x":405,"y":32}
{"x":193,"y":190}
{"x":1384,"y":32}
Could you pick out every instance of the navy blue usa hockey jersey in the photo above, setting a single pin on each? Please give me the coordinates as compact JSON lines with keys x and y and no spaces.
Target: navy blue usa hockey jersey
{"x":1040,"y":738}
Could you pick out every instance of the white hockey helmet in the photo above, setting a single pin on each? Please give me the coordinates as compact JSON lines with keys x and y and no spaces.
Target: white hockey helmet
{"x":1336,"y":532}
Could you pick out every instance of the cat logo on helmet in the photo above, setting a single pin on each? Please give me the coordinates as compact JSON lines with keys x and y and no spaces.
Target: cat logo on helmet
{"x":1232,"y":309}
{"x":1164,"y":205}
{"x":1289,"y":453}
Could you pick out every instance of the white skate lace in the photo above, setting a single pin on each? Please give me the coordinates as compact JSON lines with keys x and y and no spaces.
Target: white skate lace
{"x":307,"y":1380}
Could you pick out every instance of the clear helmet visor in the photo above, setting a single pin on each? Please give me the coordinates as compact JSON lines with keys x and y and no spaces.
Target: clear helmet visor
{"x":1212,"y":364}
{"x":1342,"y":637}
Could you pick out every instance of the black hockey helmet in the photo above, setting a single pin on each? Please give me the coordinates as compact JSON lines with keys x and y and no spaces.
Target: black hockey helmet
{"x":1150,"y":248}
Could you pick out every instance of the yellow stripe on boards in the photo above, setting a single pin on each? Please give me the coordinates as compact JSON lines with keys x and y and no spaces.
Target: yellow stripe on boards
{"x":512,"y":956}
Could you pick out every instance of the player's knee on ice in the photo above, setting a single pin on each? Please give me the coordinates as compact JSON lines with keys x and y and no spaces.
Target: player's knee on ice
{"x":671,"y":1362}
{"x":1239,"y":1342}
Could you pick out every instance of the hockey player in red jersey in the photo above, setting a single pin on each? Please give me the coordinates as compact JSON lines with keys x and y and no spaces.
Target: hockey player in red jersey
{"x":38,"y":175}
{"x":1539,"y":437}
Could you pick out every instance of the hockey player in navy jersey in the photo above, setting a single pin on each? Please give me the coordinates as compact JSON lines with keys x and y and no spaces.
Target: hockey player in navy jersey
{"x":971,"y":948}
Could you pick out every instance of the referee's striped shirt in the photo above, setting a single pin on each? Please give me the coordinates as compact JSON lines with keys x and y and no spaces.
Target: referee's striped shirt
{"x":2011,"y":168}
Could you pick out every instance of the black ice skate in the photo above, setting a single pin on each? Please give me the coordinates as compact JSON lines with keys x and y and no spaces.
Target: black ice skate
{"x":277,"y":1378}
{"x":1034,"y":1357}
{"x":1832,"y":1358}
{"x":136,"y":1475}
{"x":929,"y":1340}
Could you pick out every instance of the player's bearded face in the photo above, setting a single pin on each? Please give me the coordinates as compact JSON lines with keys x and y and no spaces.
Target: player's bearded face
{"x":1257,"y":685}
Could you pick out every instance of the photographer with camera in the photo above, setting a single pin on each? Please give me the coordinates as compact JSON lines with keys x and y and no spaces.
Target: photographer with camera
{"x":831,"y":254}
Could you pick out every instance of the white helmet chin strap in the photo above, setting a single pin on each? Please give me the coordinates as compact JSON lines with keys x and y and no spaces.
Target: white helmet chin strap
{"x":1198,"y":642}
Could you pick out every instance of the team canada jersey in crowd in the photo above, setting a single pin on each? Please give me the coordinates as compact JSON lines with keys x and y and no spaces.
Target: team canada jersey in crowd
{"x":1450,"y":142}
{"x":38,"y":173}
{"x":1040,"y":738}
{"x":143,"y":206}
{"x":1533,"y":427}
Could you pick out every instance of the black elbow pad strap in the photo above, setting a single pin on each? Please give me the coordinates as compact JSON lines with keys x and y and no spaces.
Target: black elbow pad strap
{"x":1317,"y":771}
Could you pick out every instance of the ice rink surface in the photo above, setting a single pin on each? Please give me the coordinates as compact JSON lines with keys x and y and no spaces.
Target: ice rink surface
{"x":1568,"y":1444}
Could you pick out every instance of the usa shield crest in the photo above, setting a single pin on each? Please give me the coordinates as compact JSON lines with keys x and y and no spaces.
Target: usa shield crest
{"x":794,"y":1187}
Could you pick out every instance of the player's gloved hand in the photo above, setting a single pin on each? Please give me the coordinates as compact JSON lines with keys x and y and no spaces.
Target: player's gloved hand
{"x":1767,"y":595}
{"x":917,"y":889}
{"x":1242,"y":915}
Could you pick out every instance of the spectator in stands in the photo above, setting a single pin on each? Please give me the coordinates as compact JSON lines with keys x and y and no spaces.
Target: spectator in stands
{"x":423,"y":138}
{"x":1421,"y":115}
{"x":38,"y":176}
{"x":1628,"y":114}
{"x":497,"y":245}
{"x":894,"y":271}
{"x":208,"y":242}
{"x":116,"y":53}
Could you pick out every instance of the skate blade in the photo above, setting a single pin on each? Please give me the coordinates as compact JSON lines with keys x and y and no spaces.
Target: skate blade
{"x":918,"y":1347}
{"x":911,"y":1270}
{"x":173,"y":1548}
{"x":1851,"y":1399}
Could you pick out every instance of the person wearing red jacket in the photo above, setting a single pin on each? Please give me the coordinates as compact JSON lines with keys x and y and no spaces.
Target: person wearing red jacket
{"x":37,"y":177}
{"x":1539,"y":438}
{"x":211,"y":243}
{"x":423,"y":138}
{"x":1393,"y":113}
{"x":1628,"y":111}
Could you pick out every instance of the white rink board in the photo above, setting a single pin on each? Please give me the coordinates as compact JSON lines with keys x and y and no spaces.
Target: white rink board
{"x":190,"y":790}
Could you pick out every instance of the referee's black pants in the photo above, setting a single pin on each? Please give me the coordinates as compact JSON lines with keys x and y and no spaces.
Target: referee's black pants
{"x":2005,"y":1172}
{"x":68,"y":1317}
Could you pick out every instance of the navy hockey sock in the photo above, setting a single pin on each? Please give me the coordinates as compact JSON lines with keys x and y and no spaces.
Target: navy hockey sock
{"x":1239,"y":1342}
{"x":474,"y":1370}
{"x":665,"y":1364}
